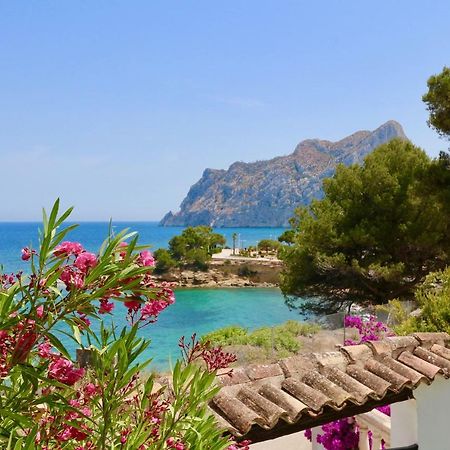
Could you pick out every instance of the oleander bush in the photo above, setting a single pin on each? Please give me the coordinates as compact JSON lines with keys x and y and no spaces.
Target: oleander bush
{"x":47,"y":401}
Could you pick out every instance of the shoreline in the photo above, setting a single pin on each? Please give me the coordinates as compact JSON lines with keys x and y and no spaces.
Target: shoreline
{"x":227,"y":274}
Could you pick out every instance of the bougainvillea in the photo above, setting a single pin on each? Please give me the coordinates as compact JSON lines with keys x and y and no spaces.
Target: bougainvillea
{"x":344,"y":434}
{"x":48,"y":401}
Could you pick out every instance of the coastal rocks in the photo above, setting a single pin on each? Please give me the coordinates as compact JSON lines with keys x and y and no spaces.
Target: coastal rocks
{"x":225,"y":275}
{"x":265,"y":193}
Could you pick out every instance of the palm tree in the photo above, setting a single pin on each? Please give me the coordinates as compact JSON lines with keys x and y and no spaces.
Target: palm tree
{"x":234,"y":236}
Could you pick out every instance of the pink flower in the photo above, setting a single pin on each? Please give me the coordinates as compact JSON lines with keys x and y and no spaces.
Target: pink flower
{"x":84,"y":318}
{"x":90,"y":390}
{"x":177,"y":445}
{"x":123,"y":246}
{"x":145,"y":258}
{"x":26,"y":253}
{"x":85,"y":261}
{"x":63,"y":370}
{"x":151,"y":309}
{"x":71,"y":278}
{"x":40,"y":311}
{"x":68,"y":248}
{"x":105,"y":306}
{"x":133,"y":304}
{"x":44,"y":350}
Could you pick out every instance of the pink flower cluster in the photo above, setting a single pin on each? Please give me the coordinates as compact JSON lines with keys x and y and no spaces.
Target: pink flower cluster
{"x":243,"y":445}
{"x":8,"y":279}
{"x":80,"y":262}
{"x":146,"y":259}
{"x":176,"y":444}
{"x":213,"y":357}
{"x":63,"y":370}
{"x":67,"y":249}
{"x":369,"y":330}
{"x":60,"y":368}
{"x":73,"y":424}
{"x":146,"y":311}
{"x":339,"y":435}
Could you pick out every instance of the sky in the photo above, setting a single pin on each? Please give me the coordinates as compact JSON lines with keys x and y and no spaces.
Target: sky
{"x":117,"y":107}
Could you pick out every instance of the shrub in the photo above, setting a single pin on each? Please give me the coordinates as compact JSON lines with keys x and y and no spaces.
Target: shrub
{"x":231,"y":335}
{"x":282,"y":339}
{"x":164,"y":261}
{"x":433,"y":298}
{"x":48,"y":401}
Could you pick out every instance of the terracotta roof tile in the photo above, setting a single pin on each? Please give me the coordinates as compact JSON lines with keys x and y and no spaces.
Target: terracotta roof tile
{"x":357,"y":353}
{"x":305,"y":388}
{"x":259,"y":371}
{"x":311,"y":397}
{"x":329,"y":359}
{"x":372,"y":381}
{"x":441,"y":351}
{"x":321,"y":383}
{"x":405,"y":371}
{"x":268,"y":411}
{"x":420,"y":365}
{"x":289,"y":404}
{"x":433,"y":359}
{"x":395,"y":380}
{"x":296,"y":364}
{"x":238,"y":414}
{"x":428,"y":339}
{"x":237,"y":376}
{"x":359,"y":391}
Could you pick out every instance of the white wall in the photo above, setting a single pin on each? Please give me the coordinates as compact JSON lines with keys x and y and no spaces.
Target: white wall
{"x":404,"y":423}
{"x":296,"y":441}
{"x":433,"y":415}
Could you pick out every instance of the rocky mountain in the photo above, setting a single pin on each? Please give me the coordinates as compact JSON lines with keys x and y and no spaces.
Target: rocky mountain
{"x":265,"y":193}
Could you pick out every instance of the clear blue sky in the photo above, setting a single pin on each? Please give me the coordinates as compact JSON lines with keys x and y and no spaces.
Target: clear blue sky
{"x":118,"y":106}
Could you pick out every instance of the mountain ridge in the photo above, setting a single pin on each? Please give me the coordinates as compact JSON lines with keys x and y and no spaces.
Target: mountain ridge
{"x":266,"y":192}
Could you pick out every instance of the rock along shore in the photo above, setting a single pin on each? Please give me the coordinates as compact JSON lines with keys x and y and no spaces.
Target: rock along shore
{"x":228,"y":273}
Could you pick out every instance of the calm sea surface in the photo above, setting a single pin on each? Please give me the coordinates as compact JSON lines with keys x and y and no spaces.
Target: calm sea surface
{"x":195,"y":311}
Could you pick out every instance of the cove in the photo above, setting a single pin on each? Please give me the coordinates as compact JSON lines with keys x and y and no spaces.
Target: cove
{"x":203,"y":310}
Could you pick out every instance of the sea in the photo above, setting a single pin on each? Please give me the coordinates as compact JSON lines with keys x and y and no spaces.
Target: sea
{"x":195,"y":310}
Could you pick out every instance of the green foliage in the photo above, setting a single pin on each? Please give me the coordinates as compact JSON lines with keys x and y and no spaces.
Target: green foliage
{"x":164,"y":260}
{"x":287,"y":237}
{"x":282,"y":339}
{"x":379,"y":230}
{"x":268,"y":245}
{"x":195,"y":246}
{"x":437,"y":100}
{"x":231,"y":335}
{"x":433,"y":297}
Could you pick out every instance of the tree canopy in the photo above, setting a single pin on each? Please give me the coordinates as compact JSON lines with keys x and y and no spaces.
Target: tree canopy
{"x":267,"y":245}
{"x":193,"y":247}
{"x":380,"y":228}
{"x":437,"y":100}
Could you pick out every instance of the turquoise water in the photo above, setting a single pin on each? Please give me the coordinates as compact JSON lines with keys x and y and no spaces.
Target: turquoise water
{"x":203,"y":310}
{"x":195,"y":310}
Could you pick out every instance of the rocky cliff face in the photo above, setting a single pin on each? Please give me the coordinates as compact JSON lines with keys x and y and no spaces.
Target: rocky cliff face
{"x":265,"y":193}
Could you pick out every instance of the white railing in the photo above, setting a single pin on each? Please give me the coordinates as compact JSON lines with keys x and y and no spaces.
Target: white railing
{"x":380,"y":426}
